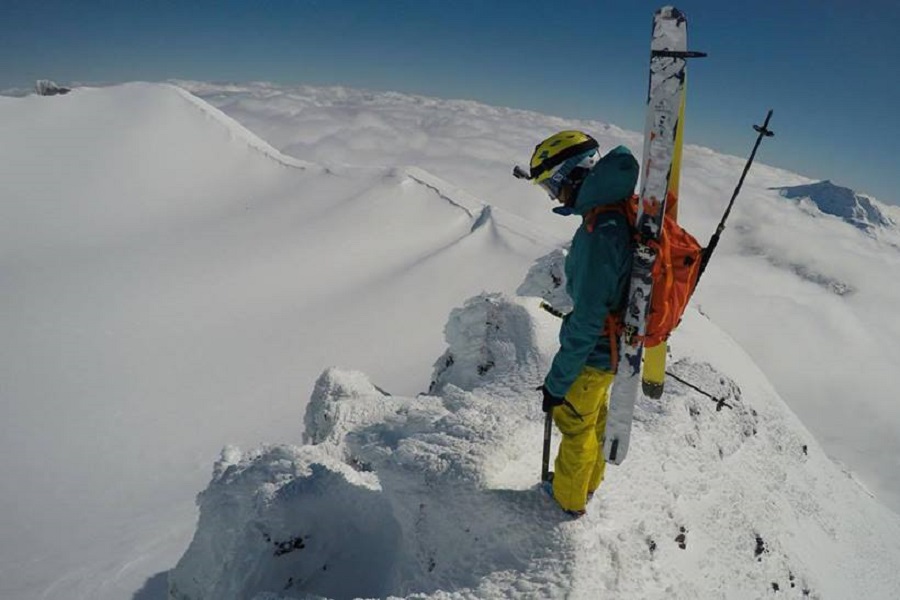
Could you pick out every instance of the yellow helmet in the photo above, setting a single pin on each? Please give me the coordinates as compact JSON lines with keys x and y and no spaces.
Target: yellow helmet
{"x":555,"y":158}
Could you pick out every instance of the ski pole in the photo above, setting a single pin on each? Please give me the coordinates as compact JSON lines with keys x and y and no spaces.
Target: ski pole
{"x":764,"y":131}
{"x":545,"y":463}
{"x":548,"y":430}
{"x":720,"y":402}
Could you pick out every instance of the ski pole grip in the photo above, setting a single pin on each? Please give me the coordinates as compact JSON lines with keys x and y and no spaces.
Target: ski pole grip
{"x":764,"y":128}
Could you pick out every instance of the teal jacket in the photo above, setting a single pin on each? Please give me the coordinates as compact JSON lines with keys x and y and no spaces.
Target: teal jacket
{"x":597,"y":270}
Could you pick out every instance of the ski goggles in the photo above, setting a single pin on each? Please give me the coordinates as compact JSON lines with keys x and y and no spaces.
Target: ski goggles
{"x":560,"y":176}
{"x":553,"y":185}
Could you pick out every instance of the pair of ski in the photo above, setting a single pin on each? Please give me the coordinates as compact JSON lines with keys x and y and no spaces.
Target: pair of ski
{"x":660,"y":175}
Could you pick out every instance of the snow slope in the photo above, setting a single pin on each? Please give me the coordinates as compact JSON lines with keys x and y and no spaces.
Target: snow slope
{"x":434,"y":496}
{"x":172,"y":284}
{"x":812,"y":298}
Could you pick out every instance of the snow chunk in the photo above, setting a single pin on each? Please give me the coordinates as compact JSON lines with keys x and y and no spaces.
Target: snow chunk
{"x":489,"y":339}
{"x":287,"y":518}
{"x":326,"y":419}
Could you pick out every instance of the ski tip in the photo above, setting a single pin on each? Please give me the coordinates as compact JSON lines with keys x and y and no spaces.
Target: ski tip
{"x":670,"y":12}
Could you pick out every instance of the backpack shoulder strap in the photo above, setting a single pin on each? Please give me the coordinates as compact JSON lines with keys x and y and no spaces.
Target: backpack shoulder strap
{"x":626,"y":207}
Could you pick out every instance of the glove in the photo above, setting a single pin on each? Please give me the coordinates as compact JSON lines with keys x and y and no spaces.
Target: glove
{"x":550,"y":400}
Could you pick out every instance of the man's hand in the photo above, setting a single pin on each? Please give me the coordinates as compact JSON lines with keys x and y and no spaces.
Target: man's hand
{"x":550,"y":400}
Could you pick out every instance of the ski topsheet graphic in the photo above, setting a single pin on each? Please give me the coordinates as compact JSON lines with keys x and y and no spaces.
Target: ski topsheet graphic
{"x":668,"y":59}
{"x":654,"y":377}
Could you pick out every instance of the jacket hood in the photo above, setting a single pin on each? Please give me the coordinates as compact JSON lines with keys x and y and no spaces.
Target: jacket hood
{"x":613,"y":178}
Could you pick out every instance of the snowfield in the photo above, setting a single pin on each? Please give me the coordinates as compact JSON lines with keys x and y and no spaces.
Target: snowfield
{"x":182,"y":271}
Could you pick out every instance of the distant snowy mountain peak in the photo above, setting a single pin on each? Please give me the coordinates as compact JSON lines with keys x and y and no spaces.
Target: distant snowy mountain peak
{"x":857,"y":209}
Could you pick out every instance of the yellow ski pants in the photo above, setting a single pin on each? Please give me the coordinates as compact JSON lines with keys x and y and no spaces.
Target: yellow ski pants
{"x":579,"y":465}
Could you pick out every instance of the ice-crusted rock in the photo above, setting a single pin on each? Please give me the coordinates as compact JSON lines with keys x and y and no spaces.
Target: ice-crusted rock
{"x":546,"y":279}
{"x":45,"y":87}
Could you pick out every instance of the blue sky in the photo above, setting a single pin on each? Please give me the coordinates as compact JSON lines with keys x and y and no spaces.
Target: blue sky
{"x":827,"y":67}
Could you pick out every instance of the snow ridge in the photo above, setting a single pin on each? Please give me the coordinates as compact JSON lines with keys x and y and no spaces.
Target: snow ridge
{"x":435,"y":496}
{"x":240,"y":132}
{"x":444,"y":190}
{"x":481,"y":212}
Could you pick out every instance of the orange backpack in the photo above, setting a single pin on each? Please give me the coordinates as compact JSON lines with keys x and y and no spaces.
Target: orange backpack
{"x":675,"y":274}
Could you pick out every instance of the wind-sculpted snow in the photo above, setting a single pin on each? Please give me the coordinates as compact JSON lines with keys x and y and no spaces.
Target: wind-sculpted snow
{"x":435,"y":496}
{"x":415,"y":514}
{"x":487,"y":340}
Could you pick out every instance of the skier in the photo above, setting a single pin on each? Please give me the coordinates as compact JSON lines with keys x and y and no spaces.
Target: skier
{"x":569,"y":167}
